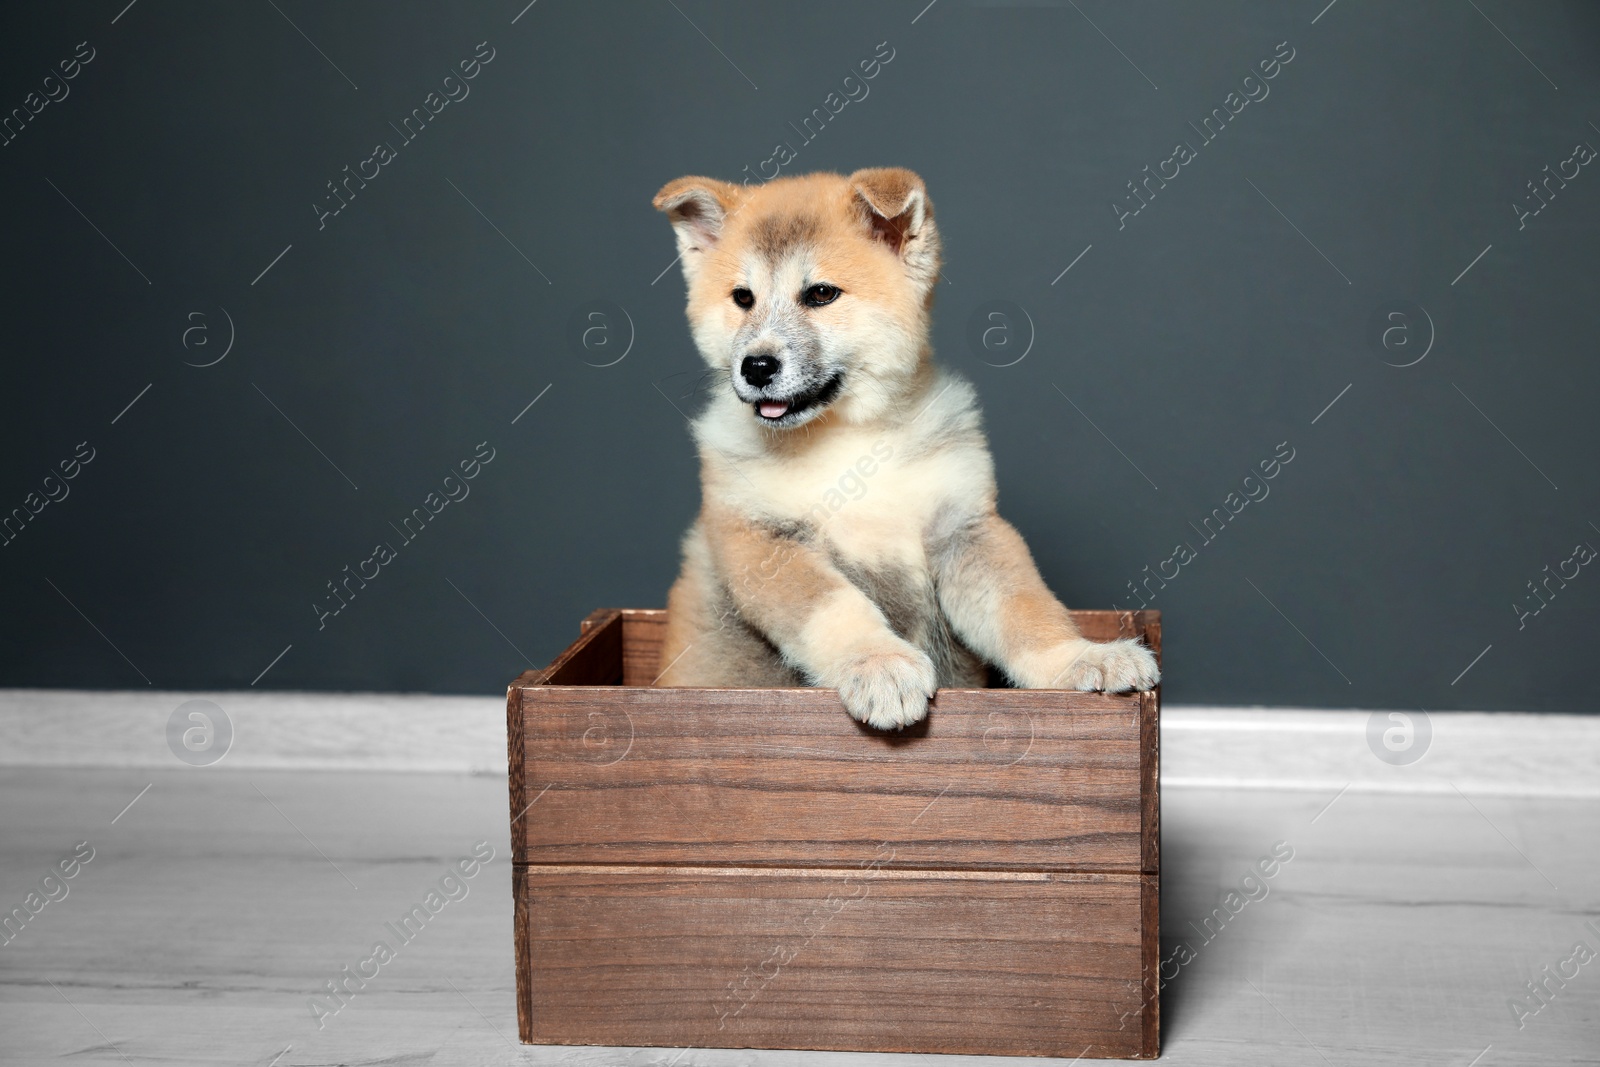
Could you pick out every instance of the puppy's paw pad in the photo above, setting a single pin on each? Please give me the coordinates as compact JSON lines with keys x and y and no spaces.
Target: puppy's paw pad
{"x":888,"y":689}
{"x":1112,"y":667}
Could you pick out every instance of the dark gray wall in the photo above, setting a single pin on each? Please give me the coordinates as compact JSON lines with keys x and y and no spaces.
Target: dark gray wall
{"x":1192,"y":338}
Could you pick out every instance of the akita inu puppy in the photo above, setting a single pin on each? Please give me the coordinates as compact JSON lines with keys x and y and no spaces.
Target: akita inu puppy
{"x":847,"y":535}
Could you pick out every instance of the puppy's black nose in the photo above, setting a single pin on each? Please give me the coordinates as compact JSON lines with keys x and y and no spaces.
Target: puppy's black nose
{"x":759,"y":370}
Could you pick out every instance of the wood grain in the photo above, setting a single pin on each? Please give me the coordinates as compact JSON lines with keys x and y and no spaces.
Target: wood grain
{"x":1034,"y":964}
{"x":1049,"y":779}
{"x":994,"y":778}
{"x":594,"y":659}
{"x":983,"y":882}
{"x":1150,"y":782}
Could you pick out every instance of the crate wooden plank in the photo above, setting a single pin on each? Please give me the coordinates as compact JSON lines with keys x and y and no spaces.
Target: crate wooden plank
{"x":862,"y":958}
{"x":994,"y":778}
{"x":751,"y":868}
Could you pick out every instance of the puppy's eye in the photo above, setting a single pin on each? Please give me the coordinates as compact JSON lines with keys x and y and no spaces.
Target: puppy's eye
{"x":744,"y":298}
{"x":817,"y":295}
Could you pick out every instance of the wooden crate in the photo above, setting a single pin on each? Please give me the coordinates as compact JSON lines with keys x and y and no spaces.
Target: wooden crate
{"x":750,"y":868}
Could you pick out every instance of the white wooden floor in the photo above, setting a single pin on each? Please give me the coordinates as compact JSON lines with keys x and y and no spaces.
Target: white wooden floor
{"x":223,"y":898}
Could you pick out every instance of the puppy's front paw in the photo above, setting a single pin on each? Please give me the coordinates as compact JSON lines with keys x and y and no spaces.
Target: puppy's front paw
{"x":1112,"y":666}
{"x":887,"y":687}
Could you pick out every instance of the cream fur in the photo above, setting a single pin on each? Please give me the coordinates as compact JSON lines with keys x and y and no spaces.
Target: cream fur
{"x":855,"y":543}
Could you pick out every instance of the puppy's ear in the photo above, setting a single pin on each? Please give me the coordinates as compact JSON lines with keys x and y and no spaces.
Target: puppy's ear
{"x":697,"y":208}
{"x":894,"y":204}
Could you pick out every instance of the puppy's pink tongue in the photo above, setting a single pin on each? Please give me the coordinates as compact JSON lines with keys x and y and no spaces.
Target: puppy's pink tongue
{"x":773,"y":409}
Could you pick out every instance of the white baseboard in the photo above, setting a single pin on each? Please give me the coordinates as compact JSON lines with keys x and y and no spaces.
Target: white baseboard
{"x":276,"y":730}
{"x":1483,"y":753}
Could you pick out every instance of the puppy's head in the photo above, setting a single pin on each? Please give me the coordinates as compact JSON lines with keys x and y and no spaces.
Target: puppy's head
{"x":812,"y":293}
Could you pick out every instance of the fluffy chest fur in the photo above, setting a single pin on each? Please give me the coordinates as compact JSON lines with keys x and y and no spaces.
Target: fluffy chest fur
{"x":877,"y":502}
{"x":876,"y":496}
